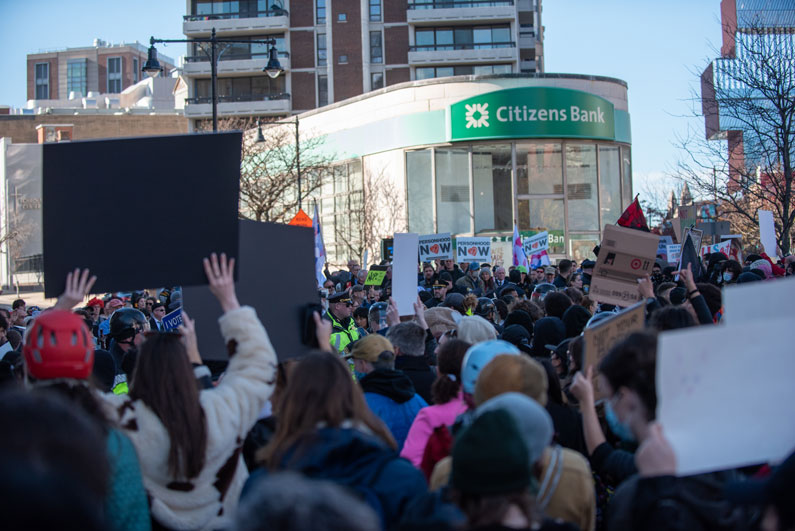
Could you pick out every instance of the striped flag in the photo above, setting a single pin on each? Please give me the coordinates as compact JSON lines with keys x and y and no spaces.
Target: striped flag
{"x":519,"y":258}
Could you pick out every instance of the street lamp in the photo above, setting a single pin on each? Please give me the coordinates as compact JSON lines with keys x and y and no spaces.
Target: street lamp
{"x":274,"y":69}
{"x":261,"y":138}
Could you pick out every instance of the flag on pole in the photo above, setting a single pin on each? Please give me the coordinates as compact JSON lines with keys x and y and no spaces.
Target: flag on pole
{"x":539,"y":259}
{"x":519,"y":258}
{"x":320,"y":249}
{"x":633,"y":217}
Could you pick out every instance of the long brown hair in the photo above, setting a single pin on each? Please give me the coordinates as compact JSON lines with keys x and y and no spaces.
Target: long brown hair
{"x":320,"y":389}
{"x":449,"y":357}
{"x":164,"y":381}
{"x":490,"y":510}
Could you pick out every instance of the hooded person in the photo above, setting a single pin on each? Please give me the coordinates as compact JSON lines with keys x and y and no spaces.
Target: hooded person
{"x":547,"y":331}
{"x":518,"y":336}
{"x":522,"y":318}
{"x":389,"y":393}
{"x":574,"y":319}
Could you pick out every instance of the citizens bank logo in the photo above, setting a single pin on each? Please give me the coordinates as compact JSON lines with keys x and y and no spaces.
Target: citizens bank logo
{"x":477,"y":115}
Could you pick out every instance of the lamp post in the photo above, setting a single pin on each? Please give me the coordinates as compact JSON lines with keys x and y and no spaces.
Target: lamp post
{"x":274,"y":69}
{"x":261,"y":138}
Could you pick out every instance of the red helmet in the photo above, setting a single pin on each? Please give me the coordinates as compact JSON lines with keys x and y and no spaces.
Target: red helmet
{"x":59,"y":346}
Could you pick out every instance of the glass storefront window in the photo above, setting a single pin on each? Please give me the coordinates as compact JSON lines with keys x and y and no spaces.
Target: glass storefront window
{"x":609,"y":185}
{"x":581,"y":187}
{"x":419,"y":180}
{"x":539,"y":215}
{"x":581,"y":246}
{"x":626,"y":176}
{"x":491,"y":167}
{"x":452,"y":190}
{"x":539,"y":169}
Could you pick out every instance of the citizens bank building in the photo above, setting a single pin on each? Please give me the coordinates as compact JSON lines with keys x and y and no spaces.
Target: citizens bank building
{"x":469,"y":155}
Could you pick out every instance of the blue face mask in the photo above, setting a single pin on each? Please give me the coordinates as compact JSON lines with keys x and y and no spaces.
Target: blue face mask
{"x":727,"y":276}
{"x":620,"y":429}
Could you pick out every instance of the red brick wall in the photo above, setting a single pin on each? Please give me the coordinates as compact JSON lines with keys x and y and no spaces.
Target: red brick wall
{"x":302,"y":13}
{"x":302,"y":49}
{"x":126,"y":68}
{"x":396,"y":41}
{"x":22,"y":128}
{"x":32,"y":77}
{"x":395,"y":10}
{"x":303,"y":91}
{"x":728,"y":20}
{"x":397,"y":75}
{"x":347,"y":40}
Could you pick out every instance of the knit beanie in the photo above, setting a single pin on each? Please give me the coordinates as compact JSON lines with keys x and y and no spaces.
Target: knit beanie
{"x":490,"y":456}
{"x":575,"y":318}
{"x":474,"y":329}
{"x":506,"y":373}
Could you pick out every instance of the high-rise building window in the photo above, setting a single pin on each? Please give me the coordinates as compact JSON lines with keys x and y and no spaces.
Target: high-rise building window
{"x":114,"y":75}
{"x":376,"y":80}
{"x":463,"y":38}
{"x":322,"y":90}
{"x":375,"y":10}
{"x":428,"y":72}
{"x":76,"y":76}
{"x":321,"y":49}
{"x":136,"y":70}
{"x":376,"y":48}
{"x":42,"y":81}
{"x":343,"y":59}
{"x":320,"y":11}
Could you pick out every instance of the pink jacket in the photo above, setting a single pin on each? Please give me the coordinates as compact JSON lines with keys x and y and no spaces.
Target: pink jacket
{"x":424,"y":423}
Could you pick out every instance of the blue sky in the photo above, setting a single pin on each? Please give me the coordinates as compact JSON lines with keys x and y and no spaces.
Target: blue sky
{"x":654,"y":46}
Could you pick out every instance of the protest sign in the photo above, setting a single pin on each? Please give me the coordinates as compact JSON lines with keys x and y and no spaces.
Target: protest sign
{"x":198,"y":174}
{"x":473,"y":249}
{"x":173,"y":320}
{"x":625,"y":256}
{"x":536,"y":243}
{"x":767,"y":232}
{"x":436,"y":247}
{"x":404,"y":272}
{"x":280,"y":302}
{"x":723,"y":247}
{"x":673,"y":251}
{"x":758,"y":301}
{"x":662,"y":247}
{"x":711,"y":414}
{"x":695,"y":234}
{"x":376,"y":276}
{"x":736,"y":250}
{"x":600,"y":338}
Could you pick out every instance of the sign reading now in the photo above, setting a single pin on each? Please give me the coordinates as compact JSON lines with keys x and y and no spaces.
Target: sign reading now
{"x":532,"y":112}
{"x":473,"y":249}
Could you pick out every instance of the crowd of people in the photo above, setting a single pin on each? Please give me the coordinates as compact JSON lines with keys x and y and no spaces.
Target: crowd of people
{"x":475,"y":413}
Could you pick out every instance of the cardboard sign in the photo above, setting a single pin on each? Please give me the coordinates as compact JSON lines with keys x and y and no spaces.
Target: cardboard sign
{"x":404,"y":272}
{"x":139,"y":211}
{"x":436,"y":247}
{"x":601,"y":338}
{"x":279,"y":294}
{"x":767,"y":232}
{"x":723,"y":247}
{"x":705,"y":370}
{"x":173,"y":320}
{"x":473,"y":250}
{"x":758,"y":301}
{"x":673,"y":252}
{"x":536,"y":243}
{"x":625,"y":256}
{"x":376,"y":276}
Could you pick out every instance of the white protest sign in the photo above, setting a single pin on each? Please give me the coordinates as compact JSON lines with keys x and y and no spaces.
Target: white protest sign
{"x":719,"y":405}
{"x":723,"y":247}
{"x":436,"y":247}
{"x":767,"y":232}
{"x":535,"y":244}
{"x":404,"y":272}
{"x":674,"y":250}
{"x":758,"y":301}
{"x":473,"y":249}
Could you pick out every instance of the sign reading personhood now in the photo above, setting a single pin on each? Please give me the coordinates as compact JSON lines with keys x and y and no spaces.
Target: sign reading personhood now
{"x":625,"y":256}
{"x":473,"y":249}
{"x":533,"y":112}
{"x":436,"y":247}
{"x":536,"y":243}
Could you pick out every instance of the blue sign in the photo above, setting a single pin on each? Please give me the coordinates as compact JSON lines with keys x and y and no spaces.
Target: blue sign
{"x":173,"y":320}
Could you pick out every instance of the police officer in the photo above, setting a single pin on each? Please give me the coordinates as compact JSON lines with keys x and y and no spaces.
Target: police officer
{"x":343,"y":328}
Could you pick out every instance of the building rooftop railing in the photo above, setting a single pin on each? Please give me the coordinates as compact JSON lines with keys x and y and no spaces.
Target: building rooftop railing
{"x":449,"y":4}
{"x":238,"y":98}
{"x":278,"y":12}
{"x":466,"y":46}
{"x":232,"y":57}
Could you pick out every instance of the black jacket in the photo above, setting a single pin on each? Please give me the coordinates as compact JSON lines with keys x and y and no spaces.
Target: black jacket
{"x":420,"y":374}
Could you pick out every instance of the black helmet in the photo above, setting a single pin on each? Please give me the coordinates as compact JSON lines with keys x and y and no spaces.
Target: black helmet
{"x":485,"y":306}
{"x":377,"y":312}
{"x":124,"y":324}
{"x":541,"y":291}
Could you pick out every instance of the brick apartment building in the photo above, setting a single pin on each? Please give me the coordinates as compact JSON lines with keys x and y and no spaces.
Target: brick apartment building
{"x":75,"y":72}
{"x":337,"y":49}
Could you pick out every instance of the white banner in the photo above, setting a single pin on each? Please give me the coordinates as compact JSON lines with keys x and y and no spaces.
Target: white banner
{"x":404,"y":272}
{"x":673,"y":251}
{"x":767,"y":232}
{"x":436,"y":247}
{"x":473,"y":249}
{"x":536,"y":243}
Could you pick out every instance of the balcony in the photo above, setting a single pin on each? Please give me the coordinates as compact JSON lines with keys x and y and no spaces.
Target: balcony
{"x":463,"y":11}
{"x":199,"y":65}
{"x":462,"y":53}
{"x":237,"y":23}
{"x":527,"y":36}
{"x":238,"y":105}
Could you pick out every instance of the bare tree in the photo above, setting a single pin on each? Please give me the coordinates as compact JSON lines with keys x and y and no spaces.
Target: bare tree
{"x":269,"y":168}
{"x":749,"y":103}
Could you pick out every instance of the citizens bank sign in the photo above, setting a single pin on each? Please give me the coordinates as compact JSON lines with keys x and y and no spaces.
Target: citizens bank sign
{"x":532,"y":112}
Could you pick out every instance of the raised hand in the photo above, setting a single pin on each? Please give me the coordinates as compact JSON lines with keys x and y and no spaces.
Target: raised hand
{"x":322,"y":331}
{"x":188,"y":333}
{"x":419,"y":313}
{"x":646,"y":287}
{"x":392,"y":314}
{"x":78,"y":285}
{"x":582,"y":387}
{"x":219,"y":273}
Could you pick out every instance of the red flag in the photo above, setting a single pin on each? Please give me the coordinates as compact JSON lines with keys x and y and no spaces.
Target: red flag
{"x":633,"y":217}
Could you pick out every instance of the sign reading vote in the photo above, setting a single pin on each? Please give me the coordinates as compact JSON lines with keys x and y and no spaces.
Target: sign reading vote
{"x":473,"y":249}
{"x":532,"y":111}
{"x":536,"y":243}
{"x":436,"y":247}
{"x":173,"y":320}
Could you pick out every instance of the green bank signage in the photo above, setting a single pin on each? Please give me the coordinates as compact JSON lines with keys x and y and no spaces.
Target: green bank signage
{"x":529,"y":112}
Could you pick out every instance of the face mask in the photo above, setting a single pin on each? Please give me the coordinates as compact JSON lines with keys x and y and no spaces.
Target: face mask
{"x":727,"y":276}
{"x":620,"y":429}
{"x":359,"y":375}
